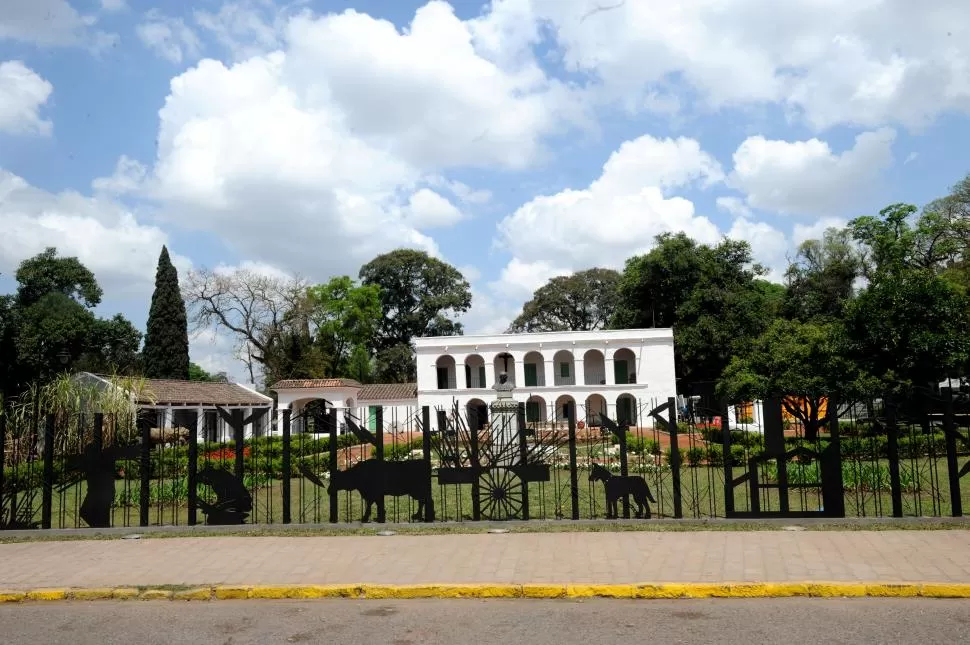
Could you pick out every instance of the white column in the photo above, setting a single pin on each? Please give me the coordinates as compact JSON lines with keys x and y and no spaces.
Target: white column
{"x":550,"y":372}
{"x":608,"y":364}
{"x":579,"y":371}
{"x":200,"y":424}
{"x":518,"y":376}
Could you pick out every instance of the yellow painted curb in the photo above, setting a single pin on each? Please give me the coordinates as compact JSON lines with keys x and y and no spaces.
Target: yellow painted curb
{"x":199,"y":593}
{"x":97,"y":593}
{"x":46,"y":594}
{"x":631,"y":591}
{"x":12,"y":596}
{"x":233,"y":592}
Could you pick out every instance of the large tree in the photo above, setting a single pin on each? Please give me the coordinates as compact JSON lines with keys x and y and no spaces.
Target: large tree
{"x":822,"y":277}
{"x":805,"y":364}
{"x":345,"y":318}
{"x":166,"y":351}
{"x":583,"y":301}
{"x":420,"y":296}
{"x":711,"y":295}
{"x":266,"y":315}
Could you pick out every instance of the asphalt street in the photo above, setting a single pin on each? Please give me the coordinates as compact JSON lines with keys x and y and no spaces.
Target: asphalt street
{"x":506,"y":622}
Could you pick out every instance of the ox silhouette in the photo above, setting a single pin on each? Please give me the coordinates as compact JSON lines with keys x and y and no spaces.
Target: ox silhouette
{"x":233,"y":502}
{"x":374,"y":479}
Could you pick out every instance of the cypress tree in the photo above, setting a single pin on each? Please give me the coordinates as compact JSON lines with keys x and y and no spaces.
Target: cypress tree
{"x":166,"y":349}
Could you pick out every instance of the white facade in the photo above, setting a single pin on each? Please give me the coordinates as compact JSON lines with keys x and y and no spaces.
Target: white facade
{"x":553,"y":372}
{"x":398,"y":403}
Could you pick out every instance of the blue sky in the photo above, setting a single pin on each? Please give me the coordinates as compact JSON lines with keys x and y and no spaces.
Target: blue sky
{"x":517,"y":139}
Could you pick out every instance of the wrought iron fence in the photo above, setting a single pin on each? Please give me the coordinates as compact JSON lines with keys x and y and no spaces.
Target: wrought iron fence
{"x":678,"y":458}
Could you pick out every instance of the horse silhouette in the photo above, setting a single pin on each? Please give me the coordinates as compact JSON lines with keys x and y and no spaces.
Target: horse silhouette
{"x":374,"y":479}
{"x":618,"y":486}
{"x":233,"y":502}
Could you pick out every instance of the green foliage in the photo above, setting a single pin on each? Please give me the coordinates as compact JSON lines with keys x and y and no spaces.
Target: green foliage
{"x":45,"y":273}
{"x":166,"y":352}
{"x":196,"y":373}
{"x":420,"y":296}
{"x":640,"y":445}
{"x":346,"y":318}
{"x":581,"y":301}
{"x":820,"y":280}
{"x":395,"y":365}
{"x":710,"y":296}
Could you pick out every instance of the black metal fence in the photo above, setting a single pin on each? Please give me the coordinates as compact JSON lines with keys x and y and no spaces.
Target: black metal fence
{"x":688,"y":458}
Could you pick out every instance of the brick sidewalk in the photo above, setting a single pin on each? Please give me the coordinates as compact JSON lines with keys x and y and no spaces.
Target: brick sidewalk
{"x":593,"y":558}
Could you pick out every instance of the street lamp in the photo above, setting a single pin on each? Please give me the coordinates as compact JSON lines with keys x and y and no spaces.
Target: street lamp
{"x":63,"y":356}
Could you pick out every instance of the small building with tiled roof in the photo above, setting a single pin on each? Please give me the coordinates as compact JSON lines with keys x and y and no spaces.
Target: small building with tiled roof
{"x":180,"y":404}
{"x":397,"y":402}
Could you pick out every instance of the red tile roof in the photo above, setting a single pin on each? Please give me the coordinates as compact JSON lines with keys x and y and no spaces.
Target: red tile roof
{"x":299,"y":384}
{"x":388,"y":392}
{"x":170,"y":391}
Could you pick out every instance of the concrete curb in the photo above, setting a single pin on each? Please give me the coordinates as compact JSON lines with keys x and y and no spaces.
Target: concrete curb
{"x":644,"y":591}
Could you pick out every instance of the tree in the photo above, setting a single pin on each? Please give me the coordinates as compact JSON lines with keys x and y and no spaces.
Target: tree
{"x":395,"y":365}
{"x":261,"y":312}
{"x":112,"y":348}
{"x":583,"y":301}
{"x":711,"y":296}
{"x":821,"y":279}
{"x":197,"y":373}
{"x":345,"y":318}
{"x":45,"y":273}
{"x":910,"y":328}
{"x":420,"y":296}
{"x":804,"y":364}
{"x":166,"y":351}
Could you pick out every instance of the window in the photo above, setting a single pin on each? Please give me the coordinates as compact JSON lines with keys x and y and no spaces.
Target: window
{"x":372,"y":418}
{"x":532,"y":412}
{"x":620,"y":372}
{"x":481,"y":376}
{"x":468,"y":376}
{"x":531,"y":376}
{"x":442,"y":378}
{"x":564,"y":370}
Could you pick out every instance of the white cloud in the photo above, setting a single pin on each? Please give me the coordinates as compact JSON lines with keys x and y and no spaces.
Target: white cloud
{"x":867,"y":63}
{"x":22,"y":94}
{"x":807,"y":177}
{"x":327,"y":137}
{"x":168,"y":37}
{"x":113,"y":5}
{"x":620,"y":213}
{"x":816,"y":229}
{"x":108,"y":239}
{"x":733,"y":205}
{"x":247,"y":28}
{"x":769,"y":246}
{"x":428,"y":209}
{"x":42,"y":22}
{"x":127,"y":177}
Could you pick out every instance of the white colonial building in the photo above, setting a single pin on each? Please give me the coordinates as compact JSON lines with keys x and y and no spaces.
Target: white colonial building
{"x":556,"y":374}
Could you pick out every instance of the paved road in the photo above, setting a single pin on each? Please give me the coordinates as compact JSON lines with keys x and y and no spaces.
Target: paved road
{"x":607,"y":558}
{"x":413,"y":622}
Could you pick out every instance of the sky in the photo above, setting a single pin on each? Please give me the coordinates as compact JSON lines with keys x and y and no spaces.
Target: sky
{"x":514,"y":139}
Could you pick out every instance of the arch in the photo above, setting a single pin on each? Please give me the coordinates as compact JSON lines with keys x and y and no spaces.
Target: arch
{"x":565,"y":367}
{"x":535,"y":410}
{"x":535,"y":369}
{"x":445,"y":368}
{"x":565,"y":406}
{"x":309,"y":415}
{"x":595,"y":406}
{"x":475,"y":372}
{"x":504,"y":363}
{"x":594,"y":367}
{"x":476,"y":414}
{"x":624,"y":366}
{"x":626,"y":410}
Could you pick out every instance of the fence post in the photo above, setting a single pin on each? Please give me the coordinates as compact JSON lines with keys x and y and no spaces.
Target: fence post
{"x":48,"y":496}
{"x":426,"y":449}
{"x":332,"y":490}
{"x":473,"y":457}
{"x":3,"y":454}
{"x":952,"y":467}
{"x":624,"y":466}
{"x":144,"y":467}
{"x":573,"y":468}
{"x":892,"y":446}
{"x":833,"y":486}
{"x":379,"y":455}
{"x":239,"y":440}
{"x":728,"y":469}
{"x":192,"y":476}
{"x":674,"y":460}
{"x":287,"y":420}
{"x":523,"y":457}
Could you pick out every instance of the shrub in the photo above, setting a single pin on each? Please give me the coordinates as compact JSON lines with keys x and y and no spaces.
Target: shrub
{"x":640,"y":445}
{"x":694,"y":456}
{"x":715,"y":455}
{"x":668,"y":453}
